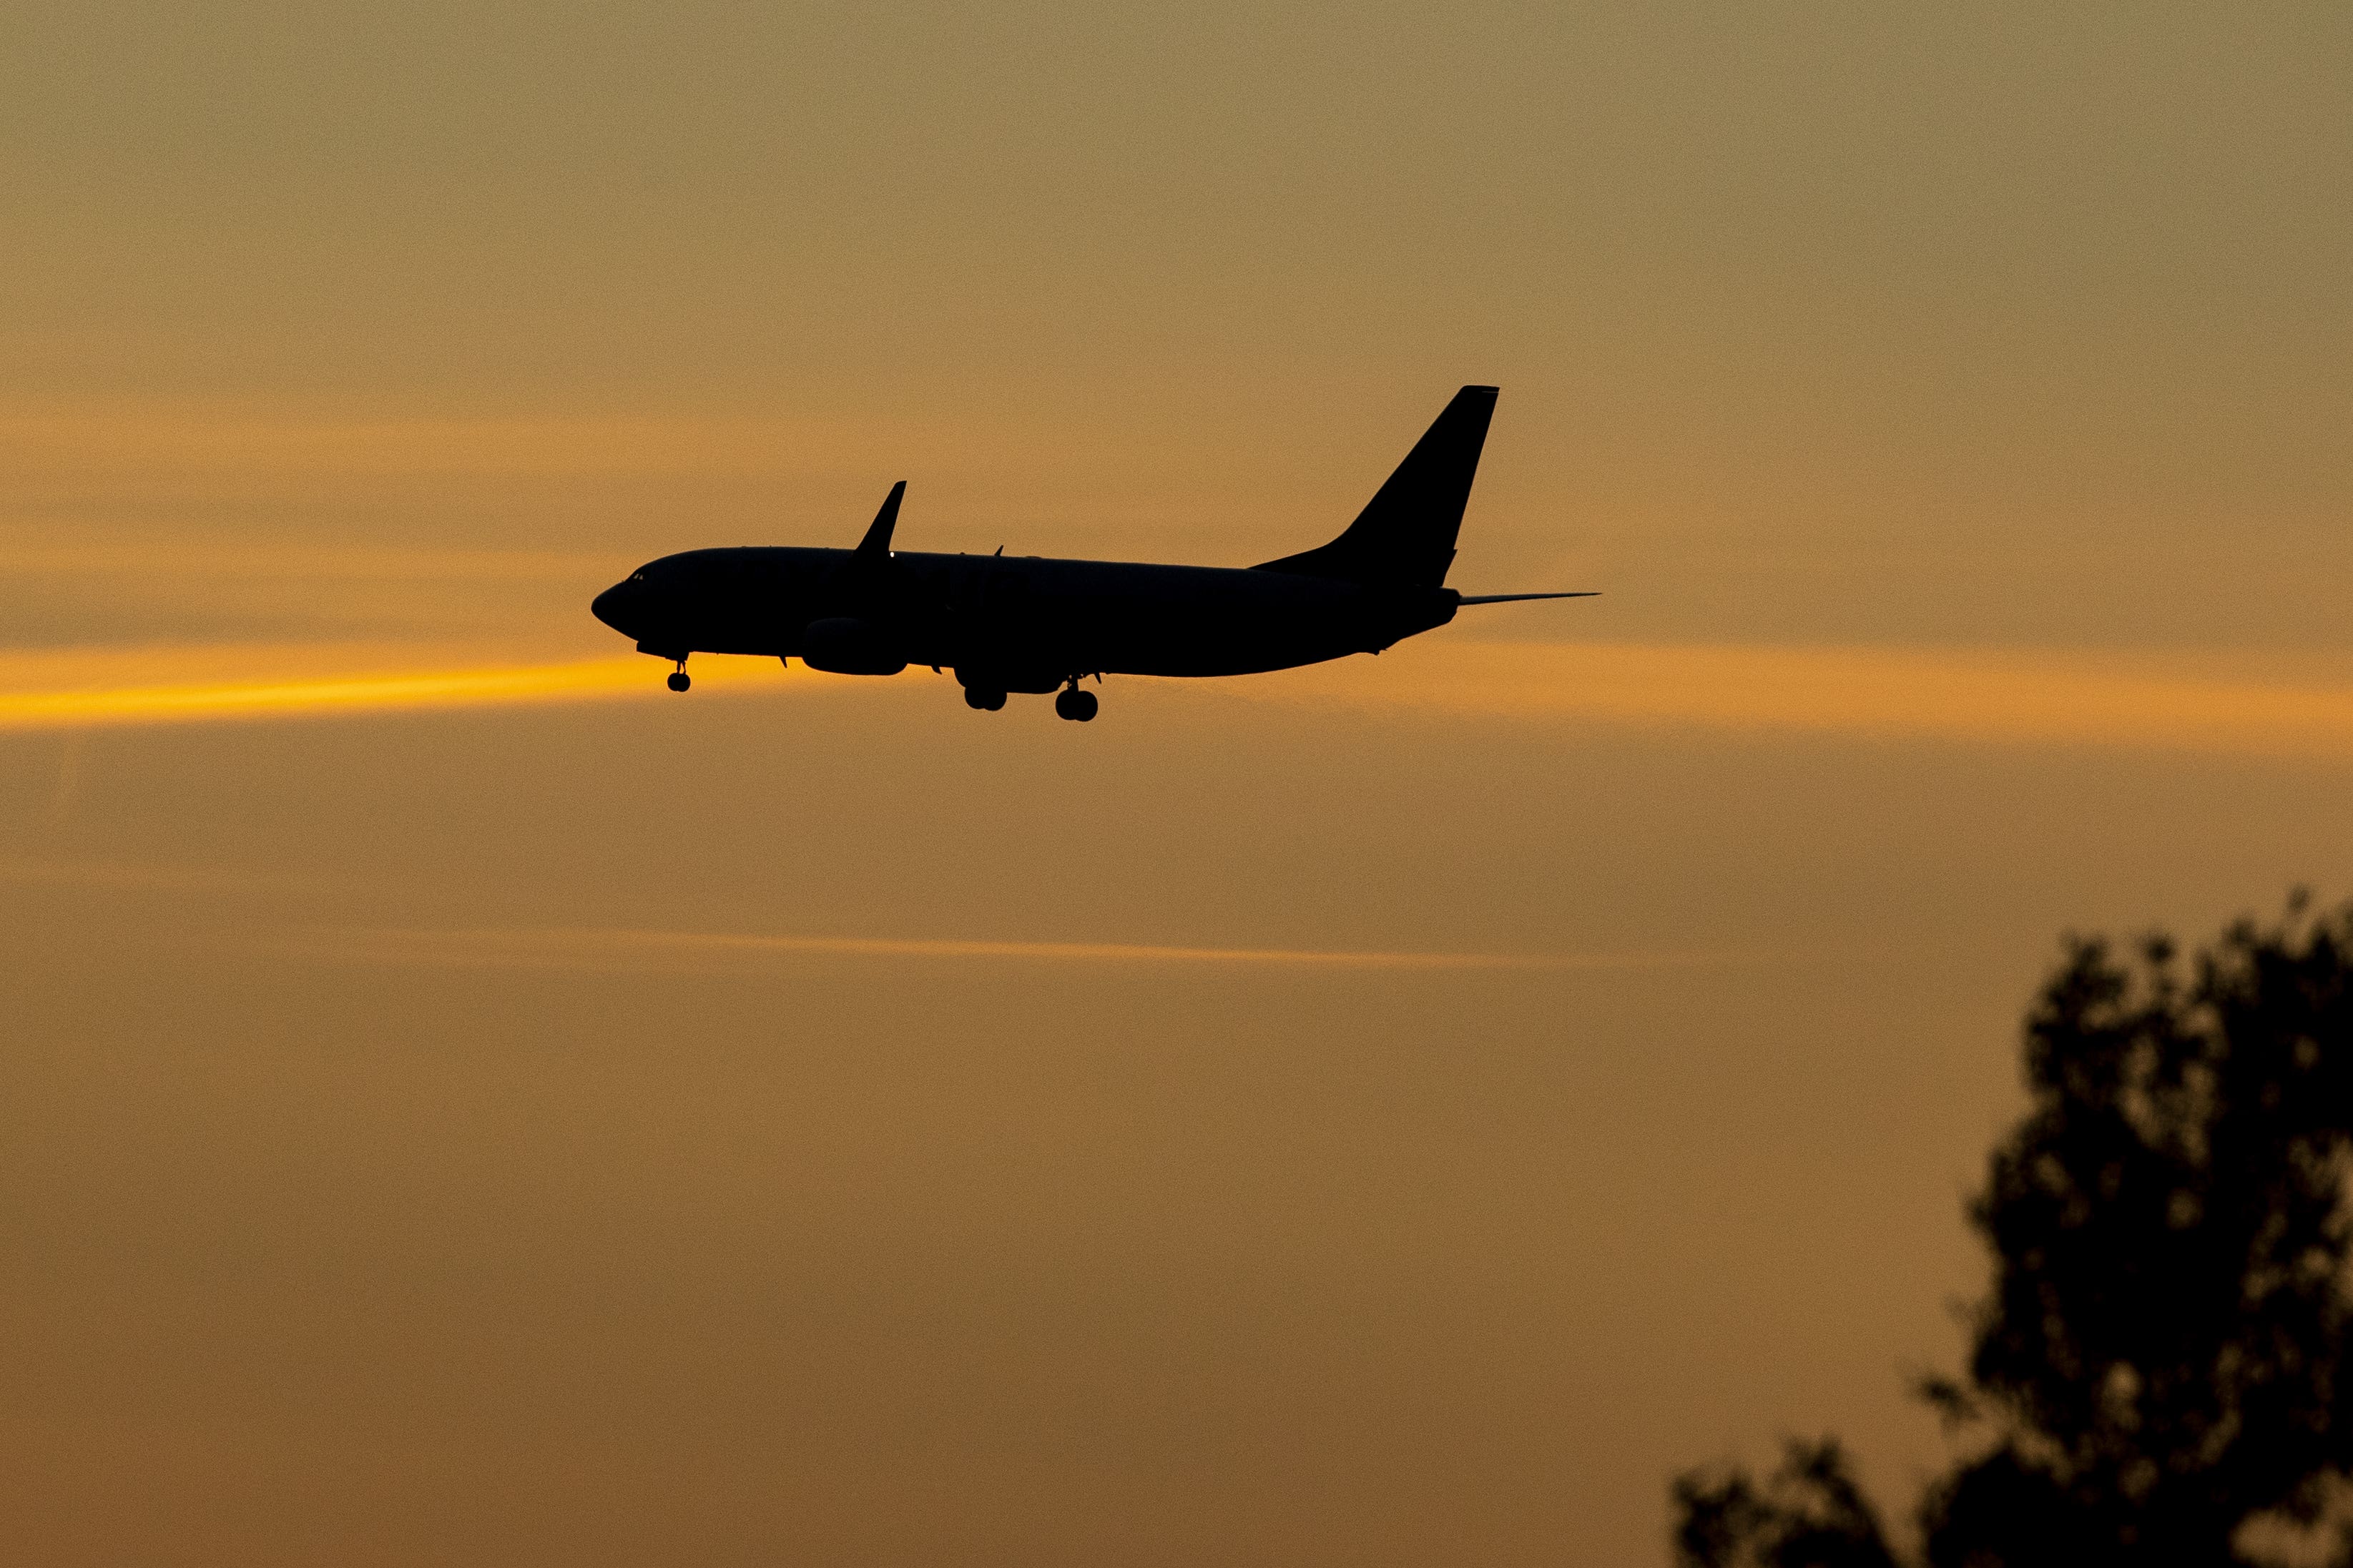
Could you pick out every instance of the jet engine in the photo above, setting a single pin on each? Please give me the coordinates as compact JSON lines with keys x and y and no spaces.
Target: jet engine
{"x":843,"y":645}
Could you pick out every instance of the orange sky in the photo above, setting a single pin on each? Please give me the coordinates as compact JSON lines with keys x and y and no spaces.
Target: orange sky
{"x":463,"y":1104}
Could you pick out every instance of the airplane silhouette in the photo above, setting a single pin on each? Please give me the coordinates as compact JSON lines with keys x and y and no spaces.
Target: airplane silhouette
{"x":1030,"y":624}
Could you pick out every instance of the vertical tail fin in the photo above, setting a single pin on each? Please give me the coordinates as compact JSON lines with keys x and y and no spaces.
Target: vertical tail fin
{"x":1405,"y":536}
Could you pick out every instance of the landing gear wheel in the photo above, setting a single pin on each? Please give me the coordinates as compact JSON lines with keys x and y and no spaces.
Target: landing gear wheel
{"x":986,"y":701}
{"x":679,"y":681}
{"x":1074,"y":704}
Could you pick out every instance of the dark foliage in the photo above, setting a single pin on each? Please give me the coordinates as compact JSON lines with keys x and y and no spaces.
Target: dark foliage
{"x":1811,"y":1512}
{"x":2163,"y":1355}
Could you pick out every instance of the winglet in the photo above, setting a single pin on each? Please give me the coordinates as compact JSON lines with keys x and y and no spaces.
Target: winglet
{"x":877,"y":542}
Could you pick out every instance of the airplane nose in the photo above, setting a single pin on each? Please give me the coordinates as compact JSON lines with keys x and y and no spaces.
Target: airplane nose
{"x":606,"y":606}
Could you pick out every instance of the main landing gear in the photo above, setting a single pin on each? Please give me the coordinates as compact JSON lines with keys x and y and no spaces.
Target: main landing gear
{"x":678,"y":680}
{"x":1070,"y":702}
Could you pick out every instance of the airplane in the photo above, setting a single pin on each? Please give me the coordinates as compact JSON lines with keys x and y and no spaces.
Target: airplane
{"x":1031,"y":624}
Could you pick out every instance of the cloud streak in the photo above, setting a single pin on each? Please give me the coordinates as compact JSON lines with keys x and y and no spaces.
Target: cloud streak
{"x":594,"y":949}
{"x":1980,"y":696}
{"x":106,"y":442}
{"x":582,"y":948}
{"x":1968,"y":696}
{"x":73,"y":690}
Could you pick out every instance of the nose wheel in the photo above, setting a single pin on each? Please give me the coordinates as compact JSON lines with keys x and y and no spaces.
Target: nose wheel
{"x":678,"y":680}
{"x":1074,"y":704}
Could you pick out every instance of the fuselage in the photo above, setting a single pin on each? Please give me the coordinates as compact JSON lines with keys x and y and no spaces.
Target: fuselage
{"x":1020,"y":623}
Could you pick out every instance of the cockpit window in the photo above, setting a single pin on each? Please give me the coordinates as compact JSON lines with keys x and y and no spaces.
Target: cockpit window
{"x":638,"y":575}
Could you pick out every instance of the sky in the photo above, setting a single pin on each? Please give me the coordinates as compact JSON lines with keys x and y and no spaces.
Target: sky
{"x":461,"y":1103}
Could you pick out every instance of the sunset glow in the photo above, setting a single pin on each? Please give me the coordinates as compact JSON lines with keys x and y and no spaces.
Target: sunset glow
{"x":77,"y":689}
{"x":2008,"y":699}
{"x":464,"y":1103}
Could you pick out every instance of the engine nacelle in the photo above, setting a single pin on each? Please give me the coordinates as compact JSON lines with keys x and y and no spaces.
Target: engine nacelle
{"x":843,"y":645}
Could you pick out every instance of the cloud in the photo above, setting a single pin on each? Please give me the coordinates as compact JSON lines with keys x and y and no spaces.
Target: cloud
{"x":2014,"y":696}
{"x":572,"y":948}
{"x":107,"y":443}
{"x":604,"y":948}
{"x":1968,"y":696}
{"x":94,"y":688}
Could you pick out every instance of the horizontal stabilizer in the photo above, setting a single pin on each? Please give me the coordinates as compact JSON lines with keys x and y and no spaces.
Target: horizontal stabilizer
{"x":1515,"y":598}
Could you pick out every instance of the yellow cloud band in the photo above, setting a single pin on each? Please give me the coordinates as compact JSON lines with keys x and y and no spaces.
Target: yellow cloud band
{"x":1977,"y":696}
{"x":2021,"y":697}
{"x":77,"y":689}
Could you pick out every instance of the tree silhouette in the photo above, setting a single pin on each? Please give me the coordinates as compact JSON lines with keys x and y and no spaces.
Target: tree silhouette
{"x":2163,"y":1357}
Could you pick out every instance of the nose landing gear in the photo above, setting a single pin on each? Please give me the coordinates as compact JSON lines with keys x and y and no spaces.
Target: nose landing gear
{"x":678,"y":680}
{"x":1074,"y":704}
